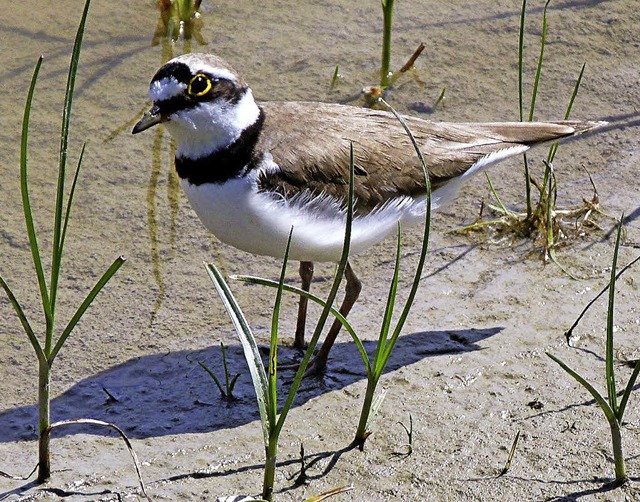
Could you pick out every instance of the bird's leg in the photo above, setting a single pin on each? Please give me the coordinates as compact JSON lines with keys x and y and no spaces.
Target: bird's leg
{"x":306,"y":274}
{"x":351,"y":293}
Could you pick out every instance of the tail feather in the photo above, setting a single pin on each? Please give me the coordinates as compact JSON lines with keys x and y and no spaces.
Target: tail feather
{"x":532,"y":133}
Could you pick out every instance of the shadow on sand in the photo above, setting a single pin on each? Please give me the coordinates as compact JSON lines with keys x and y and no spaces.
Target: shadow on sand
{"x":170,"y":394}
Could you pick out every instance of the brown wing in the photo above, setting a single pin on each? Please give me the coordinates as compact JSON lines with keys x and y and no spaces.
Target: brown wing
{"x":310,"y":143}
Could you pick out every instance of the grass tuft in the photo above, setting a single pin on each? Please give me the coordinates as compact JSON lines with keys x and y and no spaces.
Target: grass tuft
{"x":544,"y":221}
{"x":265,"y":379}
{"x":48,"y":348}
{"x":229,"y":382}
{"x":611,"y":407}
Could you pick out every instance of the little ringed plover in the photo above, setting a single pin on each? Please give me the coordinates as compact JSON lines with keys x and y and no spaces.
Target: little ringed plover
{"x":253,"y":170}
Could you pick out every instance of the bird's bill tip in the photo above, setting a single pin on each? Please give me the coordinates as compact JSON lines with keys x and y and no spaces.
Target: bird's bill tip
{"x":149,"y":119}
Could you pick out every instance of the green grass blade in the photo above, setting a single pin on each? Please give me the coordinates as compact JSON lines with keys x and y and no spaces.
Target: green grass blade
{"x":569,"y":332}
{"x":425,"y":242}
{"x":563,"y":269}
{"x":544,"y":195}
{"x":272,"y":407}
{"x":596,"y":395}
{"x":527,"y":185}
{"x":310,"y":296}
{"x":536,"y":82}
{"x":385,"y":67}
{"x":554,"y":148}
{"x":64,"y":139}
{"x":521,"y":60}
{"x":108,"y":274}
{"x":342,"y":265}
{"x":440,"y":99}
{"x":26,"y":202}
{"x":376,"y":404}
{"x":225,"y":368}
{"x":249,"y":346}
{"x":576,"y":87}
{"x":609,"y":358}
{"x":552,"y":196}
{"x":67,"y":215}
{"x":527,"y":179}
{"x":334,"y":79}
{"x":213,"y":377}
{"x":494,"y":192}
{"x":388,"y":313}
{"x":231,"y":385}
{"x":23,"y":320}
{"x":549,"y":175}
{"x":383,"y":352}
{"x":554,"y":187}
{"x":627,"y":391}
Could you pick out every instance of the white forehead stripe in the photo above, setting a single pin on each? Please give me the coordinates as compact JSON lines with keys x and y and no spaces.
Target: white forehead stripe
{"x":165,"y":88}
{"x":219,"y":73}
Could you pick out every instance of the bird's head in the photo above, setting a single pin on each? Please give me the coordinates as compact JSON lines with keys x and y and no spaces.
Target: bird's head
{"x":202,"y":101}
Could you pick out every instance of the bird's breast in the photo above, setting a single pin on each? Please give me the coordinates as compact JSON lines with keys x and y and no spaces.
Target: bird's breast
{"x":259,"y":222}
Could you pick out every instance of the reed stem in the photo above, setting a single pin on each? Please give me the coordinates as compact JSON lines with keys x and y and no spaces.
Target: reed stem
{"x":385,"y":68}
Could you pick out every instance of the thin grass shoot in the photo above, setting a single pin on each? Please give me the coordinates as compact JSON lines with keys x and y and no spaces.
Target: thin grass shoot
{"x":229,"y":382}
{"x":48,"y":348}
{"x":265,"y":379}
{"x":611,"y":407}
{"x":543,"y":220}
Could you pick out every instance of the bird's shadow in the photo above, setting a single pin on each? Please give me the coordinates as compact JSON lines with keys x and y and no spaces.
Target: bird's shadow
{"x":170,"y":393}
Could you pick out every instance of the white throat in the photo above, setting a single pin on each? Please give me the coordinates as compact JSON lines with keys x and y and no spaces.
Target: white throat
{"x":211,"y":125}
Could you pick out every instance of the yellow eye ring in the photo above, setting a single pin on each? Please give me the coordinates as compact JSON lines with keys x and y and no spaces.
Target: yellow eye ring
{"x":200,"y":85}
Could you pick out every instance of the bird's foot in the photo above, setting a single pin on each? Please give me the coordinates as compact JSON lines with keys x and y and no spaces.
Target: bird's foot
{"x":316,"y":367}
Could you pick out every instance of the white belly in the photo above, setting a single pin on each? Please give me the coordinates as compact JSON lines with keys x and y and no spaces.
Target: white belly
{"x":260,"y":223}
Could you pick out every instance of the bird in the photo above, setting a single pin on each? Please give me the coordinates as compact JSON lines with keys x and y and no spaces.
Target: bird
{"x":257,"y":171}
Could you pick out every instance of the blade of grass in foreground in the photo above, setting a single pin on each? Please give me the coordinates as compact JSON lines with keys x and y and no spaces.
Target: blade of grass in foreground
{"x":26,"y":201}
{"x":249,"y":345}
{"x":45,"y":349}
{"x":612,"y":412}
{"x":386,"y":345}
{"x":58,"y":241}
{"x":23,"y":320}
{"x":265,"y":383}
{"x":330,"y":299}
{"x":609,"y":370}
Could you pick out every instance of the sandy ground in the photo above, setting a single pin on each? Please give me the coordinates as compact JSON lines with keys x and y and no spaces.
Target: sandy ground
{"x":470,"y":367}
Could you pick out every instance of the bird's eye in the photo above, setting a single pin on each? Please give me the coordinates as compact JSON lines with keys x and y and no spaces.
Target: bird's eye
{"x":199,"y":85}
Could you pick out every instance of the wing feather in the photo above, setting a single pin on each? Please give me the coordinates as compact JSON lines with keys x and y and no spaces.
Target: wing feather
{"x":310,"y":143}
